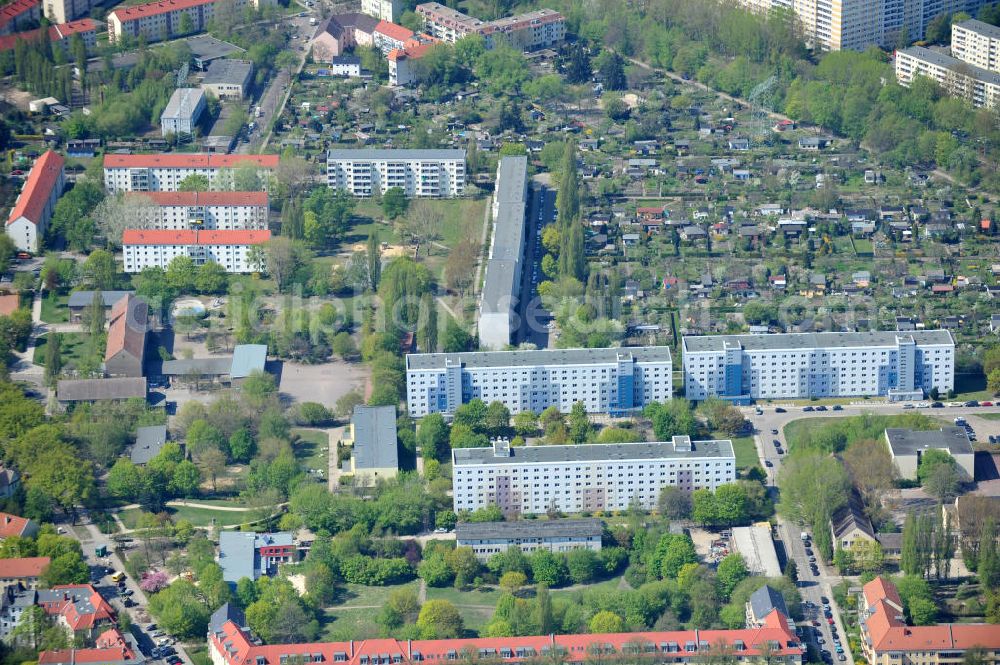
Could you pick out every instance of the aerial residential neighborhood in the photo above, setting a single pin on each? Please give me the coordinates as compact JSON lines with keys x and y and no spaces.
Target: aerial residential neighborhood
{"x":383,"y":332}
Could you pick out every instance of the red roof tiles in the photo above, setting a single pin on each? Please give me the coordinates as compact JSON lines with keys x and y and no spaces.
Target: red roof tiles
{"x":136,"y":12}
{"x":55,"y":32}
{"x":887,"y":631}
{"x":194,"y":237}
{"x":12,"y":525}
{"x":12,"y":10}
{"x":393,"y":31}
{"x":237,"y":649}
{"x":30,"y":566}
{"x":178,"y":160}
{"x":203,"y":198}
{"x":38,"y":187}
{"x":128,"y":327}
{"x":80,"y":615}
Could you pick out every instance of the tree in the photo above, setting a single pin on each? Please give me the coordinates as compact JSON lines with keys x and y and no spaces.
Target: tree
{"x":195,"y":182}
{"x":212,"y":463}
{"x":100,"y":271}
{"x":67,"y":568}
{"x":511,"y":582}
{"x":373,"y":258}
{"x":611,"y":71}
{"x":439,"y":619}
{"x":548,"y":568}
{"x":568,"y":196}
{"x":180,"y":609}
{"x":180,"y":274}
{"x":526,"y":423}
{"x":679,"y":552}
{"x":583,"y":565}
{"x":579,"y":424}
{"x":434,"y":570}
{"x":731,"y":571}
{"x":282,"y":258}
{"x":496,"y":419}
{"x":427,"y":324}
{"x":939,"y":474}
{"x":606,"y":622}
{"x":394,"y":202}
{"x":432,"y":437}
{"x":210,"y":278}
{"x":813,"y":486}
{"x":53,"y":356}
{"x":871,"y":468}
{"x":578,"y":65}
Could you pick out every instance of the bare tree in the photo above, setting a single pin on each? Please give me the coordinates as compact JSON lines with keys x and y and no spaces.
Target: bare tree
{"x":280,"y":260}
{"x":423,"y":220}
{"x":461,"y":266}
{"x":294,"y":176}
{"x":116,"y":213}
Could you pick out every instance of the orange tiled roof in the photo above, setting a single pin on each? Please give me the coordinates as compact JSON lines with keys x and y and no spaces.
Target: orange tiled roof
{"x":29,"y":566}
{"x":37,"y":188}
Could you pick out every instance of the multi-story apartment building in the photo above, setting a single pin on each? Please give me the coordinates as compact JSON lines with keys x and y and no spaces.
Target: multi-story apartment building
{"x":588,"y":477}
{"x":976,"y":43}
{"x":64,"y":11}
{"x":60,"y":35}
{"x":164,"y":172}
{"x":957,"y":77}
{"x":208,"y":211}
{"x":832,"y":25}
{"x":498,"y":319}
{"x":231,"y":643}
{"x":419,"y":173}
{"x":533,"y":30}
{"x":605,"y":380}
{"x":34,"y":206}
{"x":169,"y":18}
{"x":384,"y":10}
{"x":805,"y":365}
{"x":886,"y":639}
{"x":489,"y":538}
{"x":19,"y":15}
{"x":230,"y":249}
{"x":181,"y":114}
{"x":388,"y":36}
{"x":401,"y":70}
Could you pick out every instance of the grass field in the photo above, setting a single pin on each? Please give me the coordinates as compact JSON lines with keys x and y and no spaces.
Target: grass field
{"x":197,"y":516}
{"x":805,"y":429}
{"x":74,"y":346}
{"x":744,"y":447}
{"x":312,"y":448}
{"x":989,"y":416}
{"x":54,"y":309}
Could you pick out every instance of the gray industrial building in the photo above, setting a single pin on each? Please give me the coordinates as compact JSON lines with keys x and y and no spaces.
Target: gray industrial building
{"x":489,"y":538}
{"x":372,"y":437}
{"x":182,"y":112}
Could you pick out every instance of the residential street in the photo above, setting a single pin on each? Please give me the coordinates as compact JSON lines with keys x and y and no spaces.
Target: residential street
{"x":815,"y":588}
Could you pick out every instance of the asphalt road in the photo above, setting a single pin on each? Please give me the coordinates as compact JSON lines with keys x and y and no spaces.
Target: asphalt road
{"x":541,"y":211}
{"x":768,"y":428}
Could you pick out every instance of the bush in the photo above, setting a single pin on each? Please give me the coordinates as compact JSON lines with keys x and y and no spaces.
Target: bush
{"x":375,"y":572}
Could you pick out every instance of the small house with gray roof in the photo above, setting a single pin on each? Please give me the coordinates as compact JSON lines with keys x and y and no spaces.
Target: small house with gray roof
{"x":251,"y":555}
{"x":149,"y":442}
{"x":762,"y":603}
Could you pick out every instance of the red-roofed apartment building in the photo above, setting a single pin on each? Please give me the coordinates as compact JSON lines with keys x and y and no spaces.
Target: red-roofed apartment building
{"x":174,"y":211}
{"x":25,"y":570}
{"x":163,"y":172}
{"x":165,"y":19}
{"x":19,"y":14}
{"x":401,"y":62}
{"x":12,"y":525}
{"x":59,"y":35}
{"x":388,"y":36}
{"x":79,"y":608}
{"x":112,"y":648}
{"x":887,"y":640}
{"x":33,"y":210}
{"x":125,"y":354}
{"x":230,"y":249}
{"x":231,"y":644}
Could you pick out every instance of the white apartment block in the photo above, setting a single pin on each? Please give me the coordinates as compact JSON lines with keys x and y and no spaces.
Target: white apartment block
{"x":230,"y":249}
{"x":419,"y":173}
{"x":498,"y":319}
{"x":901,"y":366}
{"x":832,"y":25}
{"x":958,"y":78}
{"x":384,"y":10}
{"x":976,"y":43}
{"x":585,"y":478}
{"x":64,"y":11}
{"x":207,"y":211}
{"x":164,"y":172}
{"x":166,"y":19}
{"x":605,"y":380}
{"x":534,"y":30}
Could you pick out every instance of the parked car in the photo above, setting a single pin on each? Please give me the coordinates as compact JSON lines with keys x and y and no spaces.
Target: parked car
{"x":779,"y":410}
{"x":837,"y":407}
{"x":821,"y":408}
{"x":774,"y":432}
{"x":808,"y":409}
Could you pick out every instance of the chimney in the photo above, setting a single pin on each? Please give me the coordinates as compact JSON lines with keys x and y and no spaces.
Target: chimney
{"x":409,"y":649}
{"x":351,"y":643}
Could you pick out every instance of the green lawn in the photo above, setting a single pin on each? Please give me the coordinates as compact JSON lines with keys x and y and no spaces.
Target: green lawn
{"x":989,"y":416}
{"x":746,"y":452}
{"x":360,"y":596}
{"x":971,"y":386}
{"x":312,"y":448}
{"x":197,"y":516}
{"x":342,"y":624}
{"x":55,"y":309}
{"x":199,"y":654}
{"x":75,"y":348}
{"x":867,"y":426}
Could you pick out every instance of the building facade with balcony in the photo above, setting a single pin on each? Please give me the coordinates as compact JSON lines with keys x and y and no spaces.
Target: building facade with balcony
{"x":419,"y":173}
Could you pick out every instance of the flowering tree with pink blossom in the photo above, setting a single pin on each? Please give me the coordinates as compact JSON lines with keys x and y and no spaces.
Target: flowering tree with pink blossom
{"x":153,"y":581}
